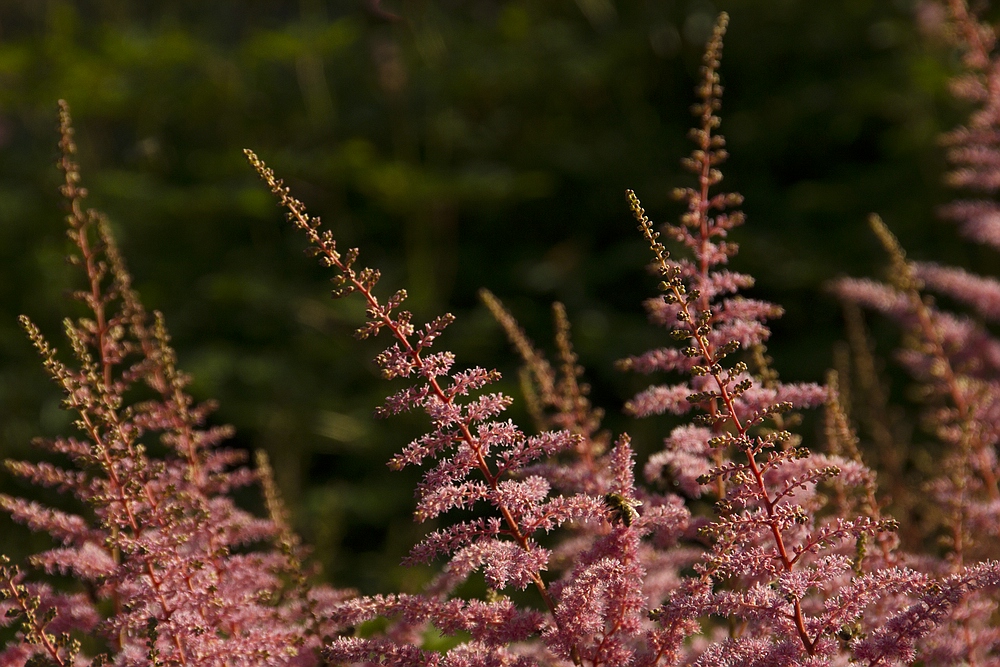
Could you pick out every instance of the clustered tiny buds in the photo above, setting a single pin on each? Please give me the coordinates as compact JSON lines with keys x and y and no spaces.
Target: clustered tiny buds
{"x":746,"y":545}
{"x":158,"y":547}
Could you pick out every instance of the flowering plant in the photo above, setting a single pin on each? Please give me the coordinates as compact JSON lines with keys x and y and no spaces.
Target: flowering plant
{"x":795,"y":561}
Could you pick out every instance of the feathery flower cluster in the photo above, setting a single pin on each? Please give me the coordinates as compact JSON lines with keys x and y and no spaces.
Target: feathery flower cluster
{"x":797,"y":566}
{"x":974,"y":149}
{"x":159,"y":547}
{"x":701,"y":297}
{"x":594,"y":609}
{"x":954,"y":357}
{"x":780,"y":556}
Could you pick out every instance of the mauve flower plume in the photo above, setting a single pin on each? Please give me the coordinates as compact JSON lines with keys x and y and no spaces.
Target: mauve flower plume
{"x":743,"y":544}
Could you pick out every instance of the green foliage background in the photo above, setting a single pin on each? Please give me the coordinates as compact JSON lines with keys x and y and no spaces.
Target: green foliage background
{"x":469,"y":143}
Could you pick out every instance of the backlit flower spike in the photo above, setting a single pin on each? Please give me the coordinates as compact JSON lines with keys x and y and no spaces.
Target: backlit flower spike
{"x":950,"y":356}
{"x":956,"y":361}
{"x":776,"y":551}
{"x":475,"y":462}
{"x":712,"y":328}
{"x":703,"y":231}
{"x":974,"y":148}
{"x":698,"y":288}
{"x":964,"y":395}
{"x":162,"y":553}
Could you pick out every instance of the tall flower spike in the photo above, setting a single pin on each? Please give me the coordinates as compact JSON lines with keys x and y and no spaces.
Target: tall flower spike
{"x":475,"y":460}
{"x":964,"y":394}
{"x":697,"y":287}
{"x":962,"y":399}
{"x":768,"y":541}
{"x":956,"y":362}
{"x":162,"y":553}
{"x":974,"y":149}
{"x":777,"y":555}
{"x":965,"y":366}
{"x":700,"y":290}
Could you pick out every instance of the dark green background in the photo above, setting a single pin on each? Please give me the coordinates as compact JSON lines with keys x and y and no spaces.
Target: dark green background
{"x":467,"y":144}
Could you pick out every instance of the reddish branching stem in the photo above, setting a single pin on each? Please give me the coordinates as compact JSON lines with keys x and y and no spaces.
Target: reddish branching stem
{"x":694,"y":325}
{"x":381,"y":316}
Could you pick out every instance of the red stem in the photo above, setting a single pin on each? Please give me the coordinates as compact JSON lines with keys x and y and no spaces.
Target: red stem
{"x":374,"y":307}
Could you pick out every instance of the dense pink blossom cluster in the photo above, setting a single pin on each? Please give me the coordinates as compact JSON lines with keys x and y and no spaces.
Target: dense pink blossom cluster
{"x":780,"y":555}
{"x":791,"y":562}
{"x":597,"y":595}
{"x":160,"y":541}
{"x":974,"y":148}
{"x":954,"y":357}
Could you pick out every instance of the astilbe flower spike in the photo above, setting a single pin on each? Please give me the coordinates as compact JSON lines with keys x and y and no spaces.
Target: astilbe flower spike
{"x":599,"y":592}
{"x":476,"y":460}
{"x":962,"y":356}
{"x":771,"y":552}
{"x":954,"y":358}
{"x":158,"y":546}
{"x":961,"y":407}
{"x":974,"y":149}
{"x":709,"y":298}
{"x":780,"y":555}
